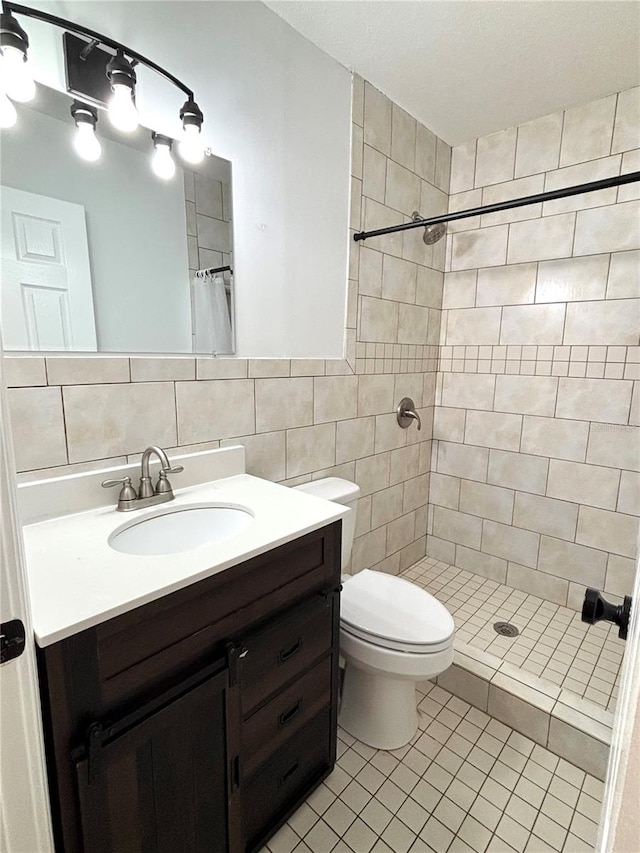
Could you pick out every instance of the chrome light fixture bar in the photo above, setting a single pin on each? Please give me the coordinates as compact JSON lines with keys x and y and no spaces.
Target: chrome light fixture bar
{"x":104,"y":78}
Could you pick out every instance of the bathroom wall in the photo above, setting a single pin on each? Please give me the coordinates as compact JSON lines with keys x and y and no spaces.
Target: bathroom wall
{"x":537,"y":454}
{"x":297,"y":418}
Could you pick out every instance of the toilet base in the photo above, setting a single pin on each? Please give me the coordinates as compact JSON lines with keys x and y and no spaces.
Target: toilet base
{"x":378,"y":710}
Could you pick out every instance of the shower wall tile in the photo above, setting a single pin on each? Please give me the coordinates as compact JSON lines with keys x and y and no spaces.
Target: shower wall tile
{"x":463,"y":167}
{"x":403,"y":137}
{"x":572,"y":279}
{"x":629,"y":495}
{"x":582,"y":484}
{"x":582,"y":173}
{"x":483,"y":500}
{"x":377,"y":119}
{"x":459,"y":289}
{"x":541,"y":239}
{"x":374,"y":174}
{"x":555,"y":437}
{"x":587,"y":131}
{"x":545,"y":515}
{"x":483,"y":324}
{"x":565,"y":463}
{"x":495,"y":158}
{"x":532,"y":324}
{"x":603,"y":401}
{"x":614,"y":532}
{"x":480,"y":248}
{"x":538,"y":146}
{"x":608,"y":229}
{"x":425,"y":162}
{"x":614,"y":446}
{"x":442,"y":178}
{"x":616,"y":322}
{"x":625,"y":129}
{"x":514,"y":284}
{"x":518,"y":471}
{"x":526,"y":395}
{"x":512,"y":189}
{"x":493,"y":429}
{"x":403,"y":189}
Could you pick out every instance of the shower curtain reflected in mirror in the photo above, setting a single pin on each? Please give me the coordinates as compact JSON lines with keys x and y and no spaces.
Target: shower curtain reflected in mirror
{"x":212,"y":315}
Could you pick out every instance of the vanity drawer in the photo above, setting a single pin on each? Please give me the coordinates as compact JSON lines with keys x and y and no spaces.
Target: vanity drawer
{"x":142,"y":648}
{"x":271,"y":657}
{"x":266,"y":730}
{"x":278,"y":788}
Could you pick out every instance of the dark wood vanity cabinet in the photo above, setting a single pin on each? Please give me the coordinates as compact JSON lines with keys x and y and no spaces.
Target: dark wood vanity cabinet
{"x":199,"y":722}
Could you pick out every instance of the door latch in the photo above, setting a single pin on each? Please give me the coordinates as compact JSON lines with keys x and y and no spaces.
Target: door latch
{"x":12,"y":640}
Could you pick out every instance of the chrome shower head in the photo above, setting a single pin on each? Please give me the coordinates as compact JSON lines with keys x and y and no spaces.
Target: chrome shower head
{"x":432,"y":233}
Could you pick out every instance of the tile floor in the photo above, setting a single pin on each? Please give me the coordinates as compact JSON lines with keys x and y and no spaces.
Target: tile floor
{"x":553,"y":643}
{"x":465,"y":784}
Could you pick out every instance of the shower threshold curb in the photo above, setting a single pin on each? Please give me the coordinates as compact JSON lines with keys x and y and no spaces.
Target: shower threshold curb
{"x":563,"y":722}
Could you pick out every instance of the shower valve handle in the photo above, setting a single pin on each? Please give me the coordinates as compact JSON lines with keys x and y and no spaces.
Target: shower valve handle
{"x":595,"y":608}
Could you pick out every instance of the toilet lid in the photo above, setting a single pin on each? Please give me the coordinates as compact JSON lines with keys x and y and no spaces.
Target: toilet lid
{"x":394,"y":612}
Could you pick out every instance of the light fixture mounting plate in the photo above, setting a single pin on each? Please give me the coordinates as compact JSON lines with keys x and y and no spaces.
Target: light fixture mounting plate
{"x":86,"y":77}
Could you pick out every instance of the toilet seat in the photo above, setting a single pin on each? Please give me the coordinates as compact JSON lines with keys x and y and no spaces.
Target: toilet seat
{"x":393,"y":613}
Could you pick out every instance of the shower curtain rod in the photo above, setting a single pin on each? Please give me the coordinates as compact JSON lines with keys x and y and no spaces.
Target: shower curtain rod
{"x":592,"y":186}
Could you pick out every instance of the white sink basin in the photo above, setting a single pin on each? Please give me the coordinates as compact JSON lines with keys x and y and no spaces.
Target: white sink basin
{"x":183,"y":528}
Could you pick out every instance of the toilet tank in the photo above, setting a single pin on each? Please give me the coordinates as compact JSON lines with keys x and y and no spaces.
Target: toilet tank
{"x":342,"y":492}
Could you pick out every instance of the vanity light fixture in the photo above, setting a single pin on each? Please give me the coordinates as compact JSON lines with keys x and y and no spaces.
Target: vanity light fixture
{"x":122,"y":108}
{"x":162,"y":162}
{"x":17,"y":81}
{"x":191,"y":145}
{"x":100,"y":71}
{"x":86,"y":142}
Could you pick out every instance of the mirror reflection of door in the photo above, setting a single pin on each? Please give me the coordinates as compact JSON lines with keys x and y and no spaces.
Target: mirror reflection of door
{"x":47,"y":298}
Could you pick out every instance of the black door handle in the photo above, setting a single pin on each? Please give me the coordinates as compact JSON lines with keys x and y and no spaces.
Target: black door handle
{"x":12,"y":640}
{"x":595,"y":608}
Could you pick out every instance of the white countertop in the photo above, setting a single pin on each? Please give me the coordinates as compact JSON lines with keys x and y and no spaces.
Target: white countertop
{"x":76,"y":580}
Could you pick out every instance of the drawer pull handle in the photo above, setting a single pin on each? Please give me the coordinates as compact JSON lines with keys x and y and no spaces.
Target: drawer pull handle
{"x":287,"y":716}
{"x":286,"y":776}
{"x":287,"y":654}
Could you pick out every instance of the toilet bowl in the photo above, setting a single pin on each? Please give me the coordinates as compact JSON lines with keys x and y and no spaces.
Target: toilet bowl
{"x":393,"y":634}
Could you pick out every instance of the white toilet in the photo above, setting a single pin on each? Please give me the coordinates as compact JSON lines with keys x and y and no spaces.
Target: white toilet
{"x":393,"y":634}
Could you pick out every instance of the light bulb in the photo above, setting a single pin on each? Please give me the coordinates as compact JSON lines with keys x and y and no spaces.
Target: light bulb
{"x":122,"y":110}
{"x":191,"y":145}
{"x":162,"y":162}
{"x":86,"y":142}
{"x":17,"y":80}
{"x":8,"y":114}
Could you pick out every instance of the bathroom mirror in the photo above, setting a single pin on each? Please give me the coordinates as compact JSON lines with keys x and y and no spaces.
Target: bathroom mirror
{"x":102,"y":256}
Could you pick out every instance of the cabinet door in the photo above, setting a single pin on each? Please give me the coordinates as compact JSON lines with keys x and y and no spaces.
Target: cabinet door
{"x":162,"y":783}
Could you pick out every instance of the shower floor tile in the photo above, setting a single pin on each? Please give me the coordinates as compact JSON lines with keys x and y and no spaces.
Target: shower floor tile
{"x":553,"y":643}
{"x":465,"y":784}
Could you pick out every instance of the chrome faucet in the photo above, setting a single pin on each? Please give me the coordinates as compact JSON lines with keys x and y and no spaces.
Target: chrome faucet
{"x":146,"y":495}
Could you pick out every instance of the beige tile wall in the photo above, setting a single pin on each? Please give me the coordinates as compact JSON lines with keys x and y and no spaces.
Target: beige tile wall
{"x":298,"y":419}
{"x":537,"y":450}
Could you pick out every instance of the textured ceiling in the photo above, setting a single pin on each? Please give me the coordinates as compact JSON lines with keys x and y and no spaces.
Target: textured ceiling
{"x":467,"y":68}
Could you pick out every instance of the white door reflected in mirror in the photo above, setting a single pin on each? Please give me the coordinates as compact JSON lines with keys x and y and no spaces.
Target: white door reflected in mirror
{"x":47,"y":296}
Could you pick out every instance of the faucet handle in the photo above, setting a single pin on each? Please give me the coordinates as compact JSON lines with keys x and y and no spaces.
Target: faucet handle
{"x":163,"y":486}
{"x":127,"y":492}
{"x":173,"y":469}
